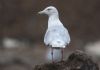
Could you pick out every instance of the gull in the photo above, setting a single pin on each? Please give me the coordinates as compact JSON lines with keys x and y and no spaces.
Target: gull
{"x":56,"y":36}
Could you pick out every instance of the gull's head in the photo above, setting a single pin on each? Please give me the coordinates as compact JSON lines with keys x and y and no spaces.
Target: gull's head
{"x":51,"y":10}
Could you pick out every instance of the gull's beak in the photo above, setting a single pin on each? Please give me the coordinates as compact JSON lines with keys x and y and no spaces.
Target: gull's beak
{"x":41,"y":12}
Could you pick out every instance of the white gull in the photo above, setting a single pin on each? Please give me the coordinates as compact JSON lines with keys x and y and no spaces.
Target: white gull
{"x":57,"y":35}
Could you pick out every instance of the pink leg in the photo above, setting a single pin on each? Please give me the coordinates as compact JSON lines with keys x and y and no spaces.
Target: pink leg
{"x":52,"y":54}
{"x":62,"y":54}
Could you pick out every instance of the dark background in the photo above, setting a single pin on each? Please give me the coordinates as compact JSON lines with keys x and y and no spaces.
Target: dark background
{"x":22,"y":30}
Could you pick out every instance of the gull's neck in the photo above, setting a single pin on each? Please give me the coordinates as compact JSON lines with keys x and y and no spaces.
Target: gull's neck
{"x":54,"y":21}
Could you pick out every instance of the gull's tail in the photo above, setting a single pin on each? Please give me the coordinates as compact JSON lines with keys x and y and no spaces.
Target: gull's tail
{"x":58,"y":44}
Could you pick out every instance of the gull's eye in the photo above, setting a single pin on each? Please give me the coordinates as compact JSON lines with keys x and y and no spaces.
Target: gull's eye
{"x":48,"y":9}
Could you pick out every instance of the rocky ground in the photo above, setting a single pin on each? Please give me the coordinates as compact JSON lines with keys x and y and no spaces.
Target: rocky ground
{"x":78,"y":60}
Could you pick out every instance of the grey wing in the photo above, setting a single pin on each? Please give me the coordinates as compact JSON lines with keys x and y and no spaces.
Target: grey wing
{"x":47,"y":37}
{"x":55,"y":33}
{"x":66,"y":36}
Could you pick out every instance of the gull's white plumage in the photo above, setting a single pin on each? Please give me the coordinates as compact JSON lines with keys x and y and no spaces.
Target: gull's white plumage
{"x":56,"y":35}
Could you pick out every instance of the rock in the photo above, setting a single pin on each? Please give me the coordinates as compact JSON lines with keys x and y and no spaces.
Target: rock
{"x":78,"y":60}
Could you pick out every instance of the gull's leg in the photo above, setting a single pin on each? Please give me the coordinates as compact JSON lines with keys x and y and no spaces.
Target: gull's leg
{"x":52,"y":54}
{"x":62,"y":52}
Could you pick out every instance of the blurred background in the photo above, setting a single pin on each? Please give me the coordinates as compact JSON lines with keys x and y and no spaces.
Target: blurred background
{"x":22,"y":31}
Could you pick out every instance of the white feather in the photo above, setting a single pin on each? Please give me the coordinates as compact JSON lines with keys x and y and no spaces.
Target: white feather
{"x":56,"y":35}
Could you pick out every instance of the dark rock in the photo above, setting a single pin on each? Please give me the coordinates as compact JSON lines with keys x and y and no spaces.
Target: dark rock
{"x":78,"y":60}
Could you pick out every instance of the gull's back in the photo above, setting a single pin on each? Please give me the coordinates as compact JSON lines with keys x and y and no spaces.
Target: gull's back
{"x":57,"y":36}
